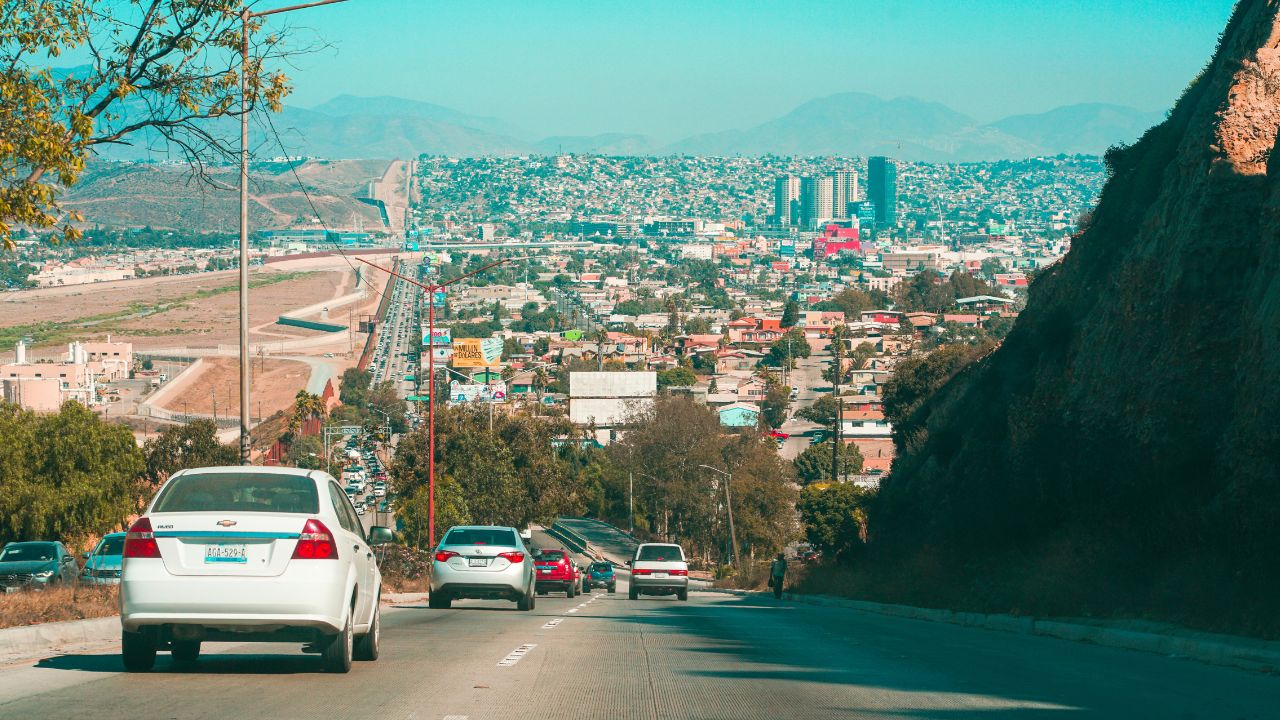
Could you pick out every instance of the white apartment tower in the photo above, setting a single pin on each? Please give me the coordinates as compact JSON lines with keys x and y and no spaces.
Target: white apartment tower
{"x":786,"y":195}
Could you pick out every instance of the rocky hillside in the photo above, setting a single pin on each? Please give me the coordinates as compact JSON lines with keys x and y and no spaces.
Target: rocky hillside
{"x":1120,"y":453}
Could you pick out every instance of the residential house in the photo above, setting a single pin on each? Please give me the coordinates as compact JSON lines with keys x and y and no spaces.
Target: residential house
{"x":739,"y":415}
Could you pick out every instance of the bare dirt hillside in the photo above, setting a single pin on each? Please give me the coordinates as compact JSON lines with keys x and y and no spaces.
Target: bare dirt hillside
{"x":169,"y":196}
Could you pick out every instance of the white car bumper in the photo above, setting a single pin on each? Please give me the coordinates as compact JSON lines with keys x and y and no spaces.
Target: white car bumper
{"x":304,"y":596}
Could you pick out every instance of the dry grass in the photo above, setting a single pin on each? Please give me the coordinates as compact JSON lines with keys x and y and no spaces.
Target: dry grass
{"x":406,"y":585}
{"x":32,"y":607}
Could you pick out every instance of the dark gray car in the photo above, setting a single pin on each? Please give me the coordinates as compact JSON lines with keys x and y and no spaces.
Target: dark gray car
{"x":36,"y":564}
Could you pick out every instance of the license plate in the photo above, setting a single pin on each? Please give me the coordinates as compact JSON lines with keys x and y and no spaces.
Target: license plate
{"x":545,"y":571}
{"x":659,"y":575}
{"x":225,"y":553}
{"x":477,"y":562}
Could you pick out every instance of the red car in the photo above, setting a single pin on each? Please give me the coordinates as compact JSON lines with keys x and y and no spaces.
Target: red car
{"x":555,"y":572}
{"x":778,"y":435}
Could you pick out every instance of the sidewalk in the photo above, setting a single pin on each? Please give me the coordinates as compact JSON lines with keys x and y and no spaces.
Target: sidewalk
{"x":1211,"y":648}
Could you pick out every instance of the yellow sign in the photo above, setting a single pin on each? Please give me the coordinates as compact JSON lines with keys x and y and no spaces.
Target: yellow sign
{"x":470,"y":353}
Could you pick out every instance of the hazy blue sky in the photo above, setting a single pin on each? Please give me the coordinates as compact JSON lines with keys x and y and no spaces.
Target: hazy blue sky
{"x":674,"y":68}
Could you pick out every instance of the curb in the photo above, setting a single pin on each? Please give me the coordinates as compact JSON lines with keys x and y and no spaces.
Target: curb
{"x":402,"y":598}
{"x":18,"y":641}
{"x":1222,"y":650}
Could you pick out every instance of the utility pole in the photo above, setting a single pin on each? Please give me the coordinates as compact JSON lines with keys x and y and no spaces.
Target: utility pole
{"x":728,"y":504}
{"x":245,"y":16}
{"x":213,"y":397}
{"x":837,"y":340}
{"x":631,"y":501}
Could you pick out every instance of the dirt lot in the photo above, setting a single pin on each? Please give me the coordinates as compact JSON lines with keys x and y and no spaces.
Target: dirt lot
{"x":273,"y":387}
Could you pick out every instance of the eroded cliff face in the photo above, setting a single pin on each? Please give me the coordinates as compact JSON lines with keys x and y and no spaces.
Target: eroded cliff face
{"x":1133,"y":414}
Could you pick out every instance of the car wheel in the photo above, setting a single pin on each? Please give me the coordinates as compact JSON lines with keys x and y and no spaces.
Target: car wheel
{"x":138,"y":652}
{"x":613,"y":588}
{"x":632,"y":594}
{"x":439,"y":601}
{"x":683,"y":594}
{"x":366,"y":647}
{"x":337,"y":656}
{"x":185,"y":652}
{"x":525,"y":602}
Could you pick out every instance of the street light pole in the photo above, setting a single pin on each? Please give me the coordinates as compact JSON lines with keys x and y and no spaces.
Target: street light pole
{"x":430,"y":289}
{"x":728,"y":503}
{"x":245,"y":15}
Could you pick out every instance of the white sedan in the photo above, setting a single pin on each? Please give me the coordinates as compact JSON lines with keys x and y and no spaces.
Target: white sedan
{"x":250,"y":554}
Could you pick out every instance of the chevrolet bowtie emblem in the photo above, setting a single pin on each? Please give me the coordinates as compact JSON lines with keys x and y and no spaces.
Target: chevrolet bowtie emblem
{"x":226,"y":523}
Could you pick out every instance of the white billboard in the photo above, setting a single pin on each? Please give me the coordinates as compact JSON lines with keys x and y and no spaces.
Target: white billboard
{"x":467,"y":392}
{"x":613,"y":384}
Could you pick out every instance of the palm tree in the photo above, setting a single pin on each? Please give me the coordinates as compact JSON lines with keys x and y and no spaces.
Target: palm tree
{"x":305,"y":406}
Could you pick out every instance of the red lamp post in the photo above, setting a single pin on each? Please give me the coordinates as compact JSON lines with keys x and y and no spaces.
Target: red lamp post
{"x":431,"y":289}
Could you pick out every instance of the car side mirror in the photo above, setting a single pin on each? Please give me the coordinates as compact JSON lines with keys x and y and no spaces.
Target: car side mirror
{"x":84,"y":555}
{"x":68,"y":559}
{"x":379,"y":535}
{"x":630,"y":562}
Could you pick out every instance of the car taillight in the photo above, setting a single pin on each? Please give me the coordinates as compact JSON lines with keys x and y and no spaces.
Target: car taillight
{"x":679,"y":572}
{"x":139,"y":542}
{"x":640,"y":571}
{"x":512,"y":557}
{"x":444,"y":555}
{"x":315,"y":543}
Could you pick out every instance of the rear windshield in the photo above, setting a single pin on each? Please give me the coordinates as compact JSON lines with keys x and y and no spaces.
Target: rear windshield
{"x":111,"y":546}
{"x":27,"y":552}
{"x":660,"y":553}
{"x":233,"y":492}
{"x":601,"y":567}
{"x":480,"y":536}
{"x":551,"y":555}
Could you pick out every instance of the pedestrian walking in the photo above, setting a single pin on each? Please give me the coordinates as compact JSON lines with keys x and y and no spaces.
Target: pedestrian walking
{"x":777,"y":573}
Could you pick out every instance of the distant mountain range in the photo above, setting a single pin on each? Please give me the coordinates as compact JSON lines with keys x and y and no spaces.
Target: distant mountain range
{"x":845,"y":124}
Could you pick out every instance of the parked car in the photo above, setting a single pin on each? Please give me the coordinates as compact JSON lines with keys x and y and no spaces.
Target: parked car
{"x":36,"y":564}
{"x":778,"y":434}
{"x":659,"y":569}
{"x":556,"y":572}
{"x":485,"y":562}
{"x":600,"y":574}
{"x":250,"y":554}
{"x":103,"y":565}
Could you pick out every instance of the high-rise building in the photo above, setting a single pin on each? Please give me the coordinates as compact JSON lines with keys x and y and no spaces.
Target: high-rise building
{"x":882,"y":190}
{"x":845,"y":191}
{"x":786,"y":197}
{"x":817,"y":200}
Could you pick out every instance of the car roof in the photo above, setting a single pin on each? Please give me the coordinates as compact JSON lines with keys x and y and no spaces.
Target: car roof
{"x":254,"y":470}
{"x":114,"y":535}
{"x":481,"y":527}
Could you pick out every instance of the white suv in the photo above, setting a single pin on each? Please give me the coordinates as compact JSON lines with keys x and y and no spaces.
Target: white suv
{"x":250,"y":554}
{"x":659,"y":569}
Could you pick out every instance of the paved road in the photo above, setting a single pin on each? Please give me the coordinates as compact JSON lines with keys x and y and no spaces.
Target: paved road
{"x":715,"y":656}
{"x":806,"y":376}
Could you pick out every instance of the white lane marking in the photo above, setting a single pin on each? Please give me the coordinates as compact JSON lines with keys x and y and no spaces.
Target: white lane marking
{"x":455,"y":717}
{"x":516,"y":655}
{"x":573,"y":610}
{"x":582,"y":605}
{"x":552,"y":623}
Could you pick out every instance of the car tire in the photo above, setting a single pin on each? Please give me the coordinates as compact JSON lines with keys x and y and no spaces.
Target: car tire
{"x":185,"y":652}
{"x":632,"y":594}
{"x":613,"y":589}
{"x":525,"y":602}
{"x":367,"y":645}
{"x":337,"y":655}
{"x":138,"y":651}
{"x":683,"y":594}
{"x":439,"y":601}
